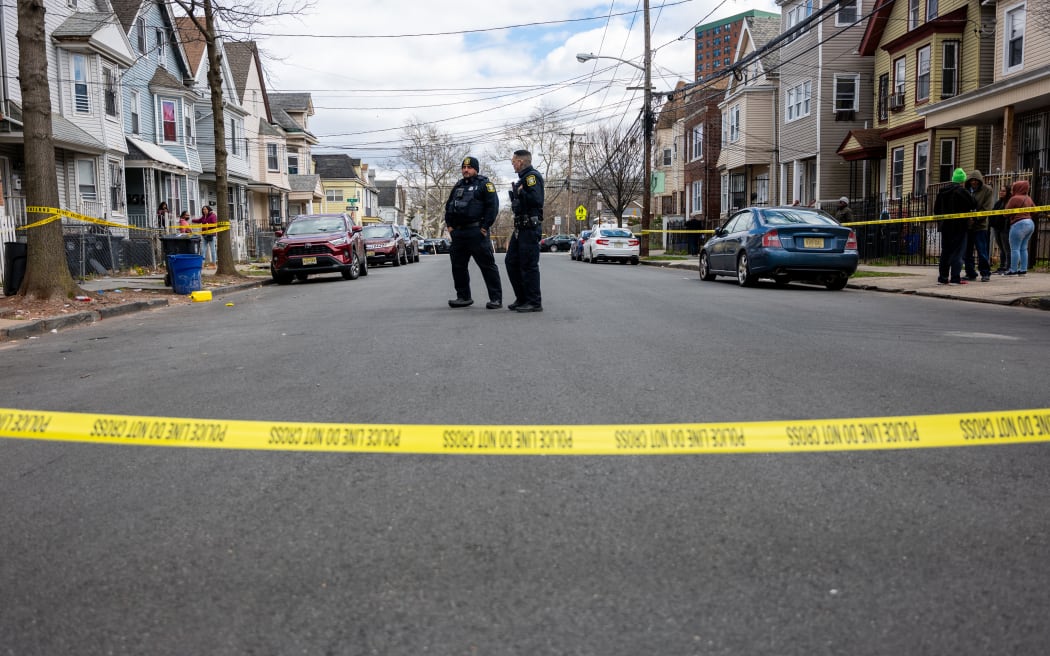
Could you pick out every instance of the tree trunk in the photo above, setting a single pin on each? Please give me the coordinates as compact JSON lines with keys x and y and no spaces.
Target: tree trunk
{"x":47,"y":273}
{"x":224,"y":243}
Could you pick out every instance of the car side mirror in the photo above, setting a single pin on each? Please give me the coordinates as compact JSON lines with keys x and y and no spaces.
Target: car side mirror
{"x":719,"y":232}
{"x":278,"y":233}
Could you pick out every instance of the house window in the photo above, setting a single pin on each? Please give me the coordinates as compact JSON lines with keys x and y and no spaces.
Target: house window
{"x":897,"y":173}
{"x":333,"y":195}
{"x":949,"y":69}
{"x":81,"y":101}
{"x":947,"y":160}
{"x":798,"y":14}
{"x":847,"y":90}
{"x":109,"y":89}
{"x":116,"y":186}
{"x":847,"y":12}
{"x":725,"y":193}
{"x":900,"y":68}
{"x":667,"y":157}
{"x":913,"y":14}
{"x":698,"y":142}
{"x":167,"y":117}
{"x":737,"y":183}
{"x":271,"y":158}
{"x":1014,"y":37}
{"x":922,"y":74}
{"x":698,"y":196}
{"x":734,"y":123}
{"x":922,"y":163}
{"x":135,"y":104}
{"x":187,"y":120}
{"x":233,"y":137}
{"x":86,"y":179}
{"x":140,"y":34}
{"x":293,"y":163}
{"x":931,"y":9}
{"x":798,"y":100}
{"x":762,"y":189}
{"x":884,"y":96}
{"x":162,"y":48}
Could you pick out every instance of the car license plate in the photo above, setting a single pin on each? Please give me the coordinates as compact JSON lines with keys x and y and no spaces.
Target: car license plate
{"x":813,"y":242}
{"x":617,"y":244}
{"x":308,"y":261}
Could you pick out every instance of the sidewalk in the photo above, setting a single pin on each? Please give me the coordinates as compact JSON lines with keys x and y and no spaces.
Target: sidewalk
{"x":1032,"y":290}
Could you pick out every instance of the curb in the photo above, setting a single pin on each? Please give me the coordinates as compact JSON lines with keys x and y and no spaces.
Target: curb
{"x":46,"y":325}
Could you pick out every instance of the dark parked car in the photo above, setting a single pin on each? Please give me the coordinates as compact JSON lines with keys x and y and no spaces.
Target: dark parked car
{"x":781,"y":243}
{"x":384,"y":243}
{"x":318,"y":243}
{"x":576,"y":250}
{"x":557,"y":243}
{"x":437,"y":245}
{"x":411,"y":243}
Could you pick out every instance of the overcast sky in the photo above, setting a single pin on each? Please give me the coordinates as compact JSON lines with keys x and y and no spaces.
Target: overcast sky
{"x":471,"y":68}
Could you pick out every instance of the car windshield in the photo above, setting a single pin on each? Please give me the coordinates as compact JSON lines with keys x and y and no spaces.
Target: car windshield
{"x":377,"y":232}
{"x":316,"y":224}
{"x":616,"y":232}
{"x":793,"y":216}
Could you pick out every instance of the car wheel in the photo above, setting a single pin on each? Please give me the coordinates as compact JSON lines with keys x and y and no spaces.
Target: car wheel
{"x":397,"y":259}
{"x":281,"y":278}
{"x":744,"y":277}
{"x":634,"y":261}
{"x":594,"y":258}
{"x":363,"y":260}
{"x":835,"y":283}
{"x":705,"y":268}
{"x":353,"y":271}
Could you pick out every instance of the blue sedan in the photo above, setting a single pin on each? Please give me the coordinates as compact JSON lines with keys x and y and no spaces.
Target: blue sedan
{"x":781,"y":243}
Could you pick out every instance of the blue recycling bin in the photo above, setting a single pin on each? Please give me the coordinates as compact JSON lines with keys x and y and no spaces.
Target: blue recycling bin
{"x":185,"y":272}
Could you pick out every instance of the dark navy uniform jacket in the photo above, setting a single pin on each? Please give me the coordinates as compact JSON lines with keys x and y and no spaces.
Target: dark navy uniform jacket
{"x":473,"y":200}
{"x":529,"y":191}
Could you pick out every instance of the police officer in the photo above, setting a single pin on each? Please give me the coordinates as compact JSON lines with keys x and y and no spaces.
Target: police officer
{"x":469,"y":213}
{"x":523,"y":251}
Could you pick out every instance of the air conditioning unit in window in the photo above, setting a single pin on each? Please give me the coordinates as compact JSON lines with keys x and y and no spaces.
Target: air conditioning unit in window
{"x":896,"y":101}
{"x":845,"y":114}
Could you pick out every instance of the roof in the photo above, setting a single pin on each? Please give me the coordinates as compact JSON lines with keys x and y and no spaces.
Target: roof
{"x":268,"y":130}
{"x":139,"y":150}
{"x":82,"y":24}
{"x":875,"y":28}
{"x":763,"y":30}
{"x":869,"y":144}
{"x":387,"y":192}
{"x":339,"y":167}
{"x":282,"y":103}
{"x":306,"y":182}
{"x":127,"y":11}
{"x":239,"y":55}
{"x":192,"y":41}
{"x":67,"y":133}
{"x":165,"y":80}
{"x":672,"y":109}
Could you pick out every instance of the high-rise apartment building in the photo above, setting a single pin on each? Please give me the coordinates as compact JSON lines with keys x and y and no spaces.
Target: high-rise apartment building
{"x":716,"y":42}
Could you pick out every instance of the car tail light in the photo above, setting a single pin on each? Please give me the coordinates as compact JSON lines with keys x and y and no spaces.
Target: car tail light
{"x":602,"y":242}
{"x":634,"y":242}
{"x":771,"y":240}
{"x":851,"y":241}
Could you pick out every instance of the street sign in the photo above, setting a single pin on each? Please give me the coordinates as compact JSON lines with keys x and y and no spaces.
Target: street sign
{"x":581,"y":213}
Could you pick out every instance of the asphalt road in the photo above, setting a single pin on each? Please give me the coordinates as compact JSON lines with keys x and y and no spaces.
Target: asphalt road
{"x":131,"y":550}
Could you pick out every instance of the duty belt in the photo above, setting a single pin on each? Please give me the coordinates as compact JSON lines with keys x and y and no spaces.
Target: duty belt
{"x":468,"y":225}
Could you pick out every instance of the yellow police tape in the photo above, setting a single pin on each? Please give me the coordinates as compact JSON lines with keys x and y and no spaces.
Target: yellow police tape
{"x":917,"y":219}
{"x":803,"y":435}
{"x":57,"y":214}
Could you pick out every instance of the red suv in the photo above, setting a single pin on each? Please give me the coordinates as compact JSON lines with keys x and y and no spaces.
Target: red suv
{"x":319,"y":243}
{"x":385,"y":244}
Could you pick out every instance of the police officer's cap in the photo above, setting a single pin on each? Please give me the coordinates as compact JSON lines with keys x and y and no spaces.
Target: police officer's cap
{"x":472,"y":162}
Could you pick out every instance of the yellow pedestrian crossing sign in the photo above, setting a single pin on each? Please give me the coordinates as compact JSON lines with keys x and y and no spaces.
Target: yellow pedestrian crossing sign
{"x":581,"y":213}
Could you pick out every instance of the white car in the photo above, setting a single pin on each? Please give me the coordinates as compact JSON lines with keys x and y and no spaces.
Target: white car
{"x":611,"y":244}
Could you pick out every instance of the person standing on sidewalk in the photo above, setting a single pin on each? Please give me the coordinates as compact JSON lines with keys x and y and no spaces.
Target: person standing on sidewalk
{"x":523,"y":251}
{"x":470,"y":211}
{"x":208,"y":221}
{"x":953,"y":199}
{"x":977,"y":236}
{"x":1000,"y":226}
{"x":1021,"y":228}
{"x":692,"y":238}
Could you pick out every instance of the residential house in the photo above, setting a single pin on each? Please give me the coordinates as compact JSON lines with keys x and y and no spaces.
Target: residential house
{"x":348,"y":186}
{"x":701,"y":127}
{"x":668,"y":170}
{"x":825,"y":91}
{"x":748,"y":159}
{"x":926,"y":52}
{"x":159,"y":97}
{"x":393,"y":200}
{"x":240,"y":149}
{"x":1016,"y":104}
{"x":292,"y":112}
{"x":86,"y":54}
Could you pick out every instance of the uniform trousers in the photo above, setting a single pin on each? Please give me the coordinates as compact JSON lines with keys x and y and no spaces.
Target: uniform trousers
{"x":468,"y":243}
{"x":523,"y":265}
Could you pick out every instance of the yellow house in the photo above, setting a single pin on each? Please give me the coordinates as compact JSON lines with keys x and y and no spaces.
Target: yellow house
{"x":926,"y":52}
{"x":348,"y":187}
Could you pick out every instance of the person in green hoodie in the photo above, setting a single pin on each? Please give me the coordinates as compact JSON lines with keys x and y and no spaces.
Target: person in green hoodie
{"x":977,"y":235}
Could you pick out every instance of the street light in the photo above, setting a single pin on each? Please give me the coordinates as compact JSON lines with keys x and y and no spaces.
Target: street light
{"x":647,"y":125}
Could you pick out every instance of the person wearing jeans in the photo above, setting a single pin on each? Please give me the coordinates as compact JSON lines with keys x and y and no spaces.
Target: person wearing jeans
{"x":1021,"y":228}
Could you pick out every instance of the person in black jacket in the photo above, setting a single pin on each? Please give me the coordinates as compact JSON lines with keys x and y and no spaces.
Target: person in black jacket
{"x":469,"y":214}
{"x":953,"y":199}
{"x":523,"y":251}
{"x":1001,"y":229}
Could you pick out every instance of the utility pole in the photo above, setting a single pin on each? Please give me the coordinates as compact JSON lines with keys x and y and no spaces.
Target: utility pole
{"x":568,"y":184}
{"x":647,"y":127}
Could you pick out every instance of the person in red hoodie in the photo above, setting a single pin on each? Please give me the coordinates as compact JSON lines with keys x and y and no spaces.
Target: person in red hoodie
{"x":1021,"y":228}
{"x":208,"y":221}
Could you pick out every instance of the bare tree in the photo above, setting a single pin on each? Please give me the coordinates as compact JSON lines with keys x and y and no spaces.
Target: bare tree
{"x":611,"y":162}
{"x":47,"y":274}
{"x":429,"y":164}
{"x":216,"y":20}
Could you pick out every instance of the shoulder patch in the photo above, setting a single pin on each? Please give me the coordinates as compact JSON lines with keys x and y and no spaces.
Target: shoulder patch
{"x":490,"y":187}
{"x":530,"y":180}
